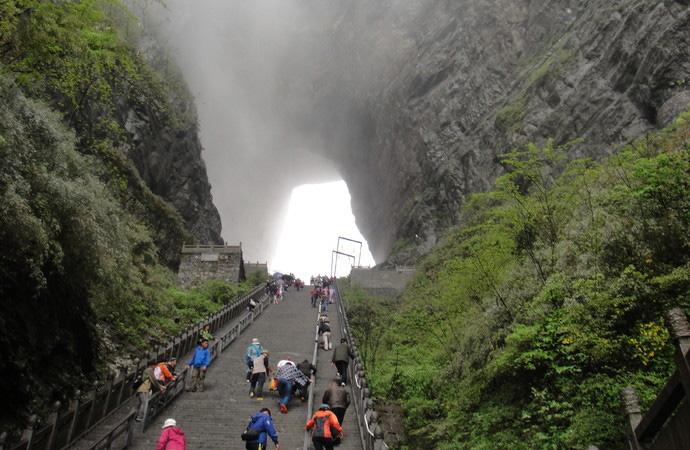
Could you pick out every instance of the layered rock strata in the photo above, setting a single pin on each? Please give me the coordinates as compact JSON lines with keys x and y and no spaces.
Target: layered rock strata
{"x":423,"y":97}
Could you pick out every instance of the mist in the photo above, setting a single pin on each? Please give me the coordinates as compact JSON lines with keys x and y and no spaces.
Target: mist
{"x":250,"y":78}
{"x":280,"y":87}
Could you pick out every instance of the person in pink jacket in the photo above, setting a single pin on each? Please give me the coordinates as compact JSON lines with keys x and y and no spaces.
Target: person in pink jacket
{"x":172,"y":437}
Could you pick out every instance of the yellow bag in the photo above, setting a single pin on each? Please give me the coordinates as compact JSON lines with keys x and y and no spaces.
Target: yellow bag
{"x":273,"y":384}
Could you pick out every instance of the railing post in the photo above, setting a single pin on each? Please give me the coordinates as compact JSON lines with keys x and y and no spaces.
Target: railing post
{"x":52,"y":421}
{"x":130,"y":427}
{"x":124,"y":372}
{"x":174,"y":350}
{"x":93,"y":394}
{"x":147,"y":401}
{"x":183,"y":344}
{"x":680,"y":332}
{"x":631,"y":408}
{"x":28,"y":434}
{"x":74,"y":407}
{"x":109,"y":386}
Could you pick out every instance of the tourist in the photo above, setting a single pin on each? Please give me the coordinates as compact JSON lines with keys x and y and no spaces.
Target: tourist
{"x":289,"y":377}
{"x":148,"y":384}
{"x":172,"y":437}
{"x":324,"y":301}
{"x":314,"y":297}
{"x":341,"y":359}
{"x":339,"y":398}
{"x":325,"y":332}
{"x":260,"y":427}
{"x":165,"y":371}
{"x":308,"y":369}
{"x":282,"y":362}
{"x":260,"y":371}
{"x":206,"y":334}
{"x":199,"y":364}
{"x":322,"y":424}
{"x":253,"y":351}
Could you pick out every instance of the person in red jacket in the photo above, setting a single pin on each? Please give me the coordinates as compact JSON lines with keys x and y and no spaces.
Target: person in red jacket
{"x":172,"y":437}
{"x":322,"y":424}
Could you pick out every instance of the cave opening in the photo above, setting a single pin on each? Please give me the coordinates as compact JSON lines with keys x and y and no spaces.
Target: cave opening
{"x":317,"y":214}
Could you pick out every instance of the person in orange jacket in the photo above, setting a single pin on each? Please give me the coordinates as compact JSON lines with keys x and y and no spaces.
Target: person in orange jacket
{"x":322,"y":424}
{"x":163,"y":372}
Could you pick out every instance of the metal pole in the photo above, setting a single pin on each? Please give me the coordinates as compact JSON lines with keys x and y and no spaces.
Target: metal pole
{"x":332,"y":255}
{"x":359,"y":259}
{"x":336,"y":259}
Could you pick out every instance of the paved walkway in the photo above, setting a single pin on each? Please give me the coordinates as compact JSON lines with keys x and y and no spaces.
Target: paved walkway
{"x":120,"y":414}
{"x":325,"y":374}
{"x":215,"y":418}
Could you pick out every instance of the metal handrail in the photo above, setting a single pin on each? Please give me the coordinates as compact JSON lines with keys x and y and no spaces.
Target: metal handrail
{"x":160,"y":400}
{"x":125,"y":426}
{"x":314,"y":361}
{"x":371,"y":433}
{"x":84,"y":413}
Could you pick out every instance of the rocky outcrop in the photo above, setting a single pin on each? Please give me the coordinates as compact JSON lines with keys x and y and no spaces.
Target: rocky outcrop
{"x":424,"y":96}
{"x":165,"y":147}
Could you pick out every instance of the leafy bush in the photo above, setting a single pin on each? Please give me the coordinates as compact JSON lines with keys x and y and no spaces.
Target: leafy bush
{"x":74,"y":264}
{"x":523,"y":325}
{"x":87,"y":249}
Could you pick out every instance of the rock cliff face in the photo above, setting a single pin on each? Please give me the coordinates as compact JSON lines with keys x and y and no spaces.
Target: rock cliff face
{"x":165,"y":148}
{"x":424,"y":96}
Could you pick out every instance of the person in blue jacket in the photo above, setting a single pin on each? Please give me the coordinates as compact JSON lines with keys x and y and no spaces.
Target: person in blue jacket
{"x":199,"y":364}
{"x":263,"y":423}
{"x":253,"y":351}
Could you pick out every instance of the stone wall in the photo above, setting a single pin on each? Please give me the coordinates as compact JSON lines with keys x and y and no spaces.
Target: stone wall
{"x":202,"y":263}
{"x":382,"y":282}
{"x":253,"y":268}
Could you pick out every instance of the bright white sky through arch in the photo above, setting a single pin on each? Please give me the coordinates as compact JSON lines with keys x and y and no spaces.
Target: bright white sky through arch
{"x":317,"y":214}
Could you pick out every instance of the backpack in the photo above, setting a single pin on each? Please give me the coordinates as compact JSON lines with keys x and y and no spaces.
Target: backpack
{"x":320,"y":424}
{"x":250,"y":434}
{"x":138,"y":380}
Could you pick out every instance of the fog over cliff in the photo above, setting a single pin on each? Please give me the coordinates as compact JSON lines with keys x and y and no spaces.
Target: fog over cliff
{"x":412,"y":102}
{"x":249,"y":65}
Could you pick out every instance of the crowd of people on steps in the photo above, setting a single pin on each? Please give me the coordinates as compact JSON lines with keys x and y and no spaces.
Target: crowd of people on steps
{"x":287,"y":378}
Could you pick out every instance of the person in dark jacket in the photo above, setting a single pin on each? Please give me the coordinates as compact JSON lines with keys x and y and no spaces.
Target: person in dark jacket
{"x":308,"y":369}
{"x":338,"y":398}
{"x":325,"y":332}
{"x":341,"y":359}
{"x":262,"y":423}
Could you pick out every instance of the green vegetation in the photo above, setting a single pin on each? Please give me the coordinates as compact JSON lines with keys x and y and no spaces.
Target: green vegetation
{"x":523,"y":325}
{"x":72,"y":55}
{"x":256,"y":278}
{"x":510,"y":116}
{"x":87,"y":250}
